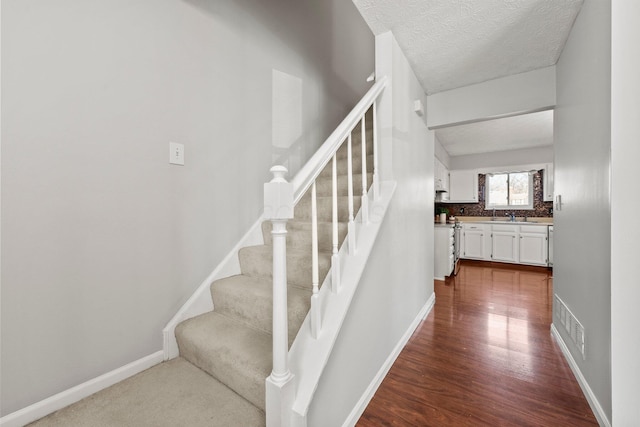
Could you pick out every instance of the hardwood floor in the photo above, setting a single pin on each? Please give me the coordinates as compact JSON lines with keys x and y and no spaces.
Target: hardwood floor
{"x":483,"y":356}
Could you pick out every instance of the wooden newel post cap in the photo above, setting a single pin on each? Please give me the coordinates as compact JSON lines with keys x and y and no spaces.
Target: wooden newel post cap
{"x":278,"y":196}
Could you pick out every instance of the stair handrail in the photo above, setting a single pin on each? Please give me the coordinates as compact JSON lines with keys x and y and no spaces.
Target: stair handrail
{"x":310,"y":171}
{"x":280,"y":199}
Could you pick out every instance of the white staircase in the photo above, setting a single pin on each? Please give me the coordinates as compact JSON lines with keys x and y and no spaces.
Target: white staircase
{"x":254,"y":331}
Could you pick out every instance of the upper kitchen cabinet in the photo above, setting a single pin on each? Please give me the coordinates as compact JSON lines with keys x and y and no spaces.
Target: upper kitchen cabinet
{"x":547,"y":183}
{"x":441,"y":177}
{"x":463,"y":186}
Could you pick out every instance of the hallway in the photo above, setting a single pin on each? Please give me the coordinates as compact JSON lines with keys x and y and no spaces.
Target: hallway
{"x":483,"y":356}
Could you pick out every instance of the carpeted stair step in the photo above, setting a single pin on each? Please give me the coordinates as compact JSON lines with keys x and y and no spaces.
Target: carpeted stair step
{"x":302,"y":210}
{"x":257,"y":261}
{"x":299,"y":235}
{"x":324,"y":184}
{"x":250,"y":300}
{"x":236,"y":354}
{"x":368,"y":121}
{"x":356,"y":139}
{"x":172,"y":393}
{"x":356,"y":150}
{"x":342,"y":166}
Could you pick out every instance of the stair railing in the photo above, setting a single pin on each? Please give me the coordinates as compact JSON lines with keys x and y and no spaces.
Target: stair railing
{"x":280,"y":197}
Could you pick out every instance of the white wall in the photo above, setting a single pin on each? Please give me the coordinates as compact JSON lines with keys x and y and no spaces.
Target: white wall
{"x":625,"y":152}
{"x":582,"y":128}
{"x":103,"y":240}
{"x":398,"y":279}
{"x":538,"y":155}
{"x":517,"y":94}
{"x":441,"y":154}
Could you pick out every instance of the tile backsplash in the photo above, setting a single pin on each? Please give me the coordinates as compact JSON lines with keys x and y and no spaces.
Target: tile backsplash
{"x":541,"y":209}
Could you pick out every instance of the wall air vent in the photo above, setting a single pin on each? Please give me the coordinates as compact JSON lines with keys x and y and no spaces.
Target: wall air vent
{"x":570,"y":324}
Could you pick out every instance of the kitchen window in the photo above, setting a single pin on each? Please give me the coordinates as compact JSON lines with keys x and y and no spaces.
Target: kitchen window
{"x":512,"y":190}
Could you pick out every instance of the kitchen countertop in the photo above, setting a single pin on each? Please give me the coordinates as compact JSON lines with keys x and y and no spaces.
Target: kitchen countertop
{"x":487,"y":220}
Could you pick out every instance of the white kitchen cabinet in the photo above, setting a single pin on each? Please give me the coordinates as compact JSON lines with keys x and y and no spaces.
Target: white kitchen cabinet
{"x":444,"y":251}
{"x":504,"y":243}
{"x":507,"y":242}
{"x":547,"y":183}
{"x":477,"y":241}
{"x":550,"y":249}
{"x":533,"y":245}
{"x":441,"y":176}
{"x":463,"y":186}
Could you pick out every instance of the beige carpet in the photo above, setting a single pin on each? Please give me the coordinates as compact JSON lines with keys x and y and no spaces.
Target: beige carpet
{"x":174,"y":393}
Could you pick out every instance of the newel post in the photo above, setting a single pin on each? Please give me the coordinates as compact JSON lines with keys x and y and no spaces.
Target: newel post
{"x":279,"y":386}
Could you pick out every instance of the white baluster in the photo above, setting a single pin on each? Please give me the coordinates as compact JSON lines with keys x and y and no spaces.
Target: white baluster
{"x":278,"y":207}
{"x":376,"y":179}
{"x":351,"y":227}
{"x":335,"y":259}
{"x":315,"y":303}
{"x":364,"y":207}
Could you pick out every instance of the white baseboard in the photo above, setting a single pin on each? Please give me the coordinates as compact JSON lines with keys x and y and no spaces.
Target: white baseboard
{"x":65,"y":398}
{"x":366,"y":397}
{"x":588,"y":393}
{"x":200,"y":301}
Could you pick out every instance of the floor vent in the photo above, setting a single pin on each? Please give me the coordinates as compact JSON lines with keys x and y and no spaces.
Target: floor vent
{"x":570,"y":323}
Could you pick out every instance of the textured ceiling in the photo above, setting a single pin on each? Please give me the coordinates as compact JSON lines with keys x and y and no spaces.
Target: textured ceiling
{"x":454,"y":43}
{"x":511,"y":133}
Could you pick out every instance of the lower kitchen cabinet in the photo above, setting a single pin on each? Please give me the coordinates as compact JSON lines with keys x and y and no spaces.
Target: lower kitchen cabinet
{"x":477,"y":241}
{"x":513,"y":243}
{"x":534,"y":245}
{"x":504,"y":243}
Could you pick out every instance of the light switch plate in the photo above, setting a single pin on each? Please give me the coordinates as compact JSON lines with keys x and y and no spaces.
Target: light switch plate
{"x":176,"y":153}
{"x":418,"y":107}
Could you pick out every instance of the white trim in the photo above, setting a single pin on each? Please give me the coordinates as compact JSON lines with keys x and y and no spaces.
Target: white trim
{"x":584,"y":385}
{"x":65,"y":398}
{"x":492,"y":117}
{"x":368,"y":394}
{"x":200,"y":301}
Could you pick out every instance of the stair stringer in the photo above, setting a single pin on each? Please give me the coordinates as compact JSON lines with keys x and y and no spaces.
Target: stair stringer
{"x":308,"y":357}
{"x":200,"y":301}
